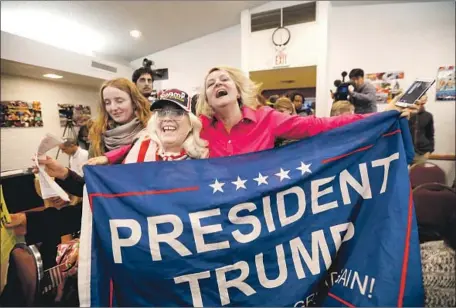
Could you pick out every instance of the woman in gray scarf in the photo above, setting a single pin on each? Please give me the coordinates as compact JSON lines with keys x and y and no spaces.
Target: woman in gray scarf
{"x":123,"y":114}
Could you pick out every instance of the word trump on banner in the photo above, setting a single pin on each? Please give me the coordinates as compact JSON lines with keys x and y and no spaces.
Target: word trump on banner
{"x":275,"y":228}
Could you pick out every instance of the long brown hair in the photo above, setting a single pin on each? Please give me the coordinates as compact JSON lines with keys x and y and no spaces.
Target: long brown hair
{"x":104,"y":122}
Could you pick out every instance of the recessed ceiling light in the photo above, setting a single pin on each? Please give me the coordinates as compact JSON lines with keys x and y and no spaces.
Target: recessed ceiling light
{"x":53,"y":76}
{"x":135,"y":33}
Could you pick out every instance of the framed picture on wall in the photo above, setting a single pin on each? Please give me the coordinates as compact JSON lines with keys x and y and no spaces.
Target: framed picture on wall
{"x":445,"y":85}
{"x":20,"y":114}
{"x":387,"y":84}
{"x":79,"y":114}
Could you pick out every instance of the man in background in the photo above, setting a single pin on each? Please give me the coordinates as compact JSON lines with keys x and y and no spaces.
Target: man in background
{"x":77,"y":155}
{"x":298,"y":101}
{"x":422,"y":128}
{"x":143,"y":78}
{"x":362,"y":94}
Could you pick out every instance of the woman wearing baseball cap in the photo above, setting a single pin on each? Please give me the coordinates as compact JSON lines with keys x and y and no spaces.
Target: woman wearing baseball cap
{"x":173,"y":133}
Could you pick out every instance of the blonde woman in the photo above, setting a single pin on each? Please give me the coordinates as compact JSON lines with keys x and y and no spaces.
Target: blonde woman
{"x":173,"y":133}
{"x":234,"y":124}
{"x":342,"y":107}
{"x":285,"y":105}
{"x":123,"y":114}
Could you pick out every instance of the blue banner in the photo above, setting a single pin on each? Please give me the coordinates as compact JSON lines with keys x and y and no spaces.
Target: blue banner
{"x":326,"y":221}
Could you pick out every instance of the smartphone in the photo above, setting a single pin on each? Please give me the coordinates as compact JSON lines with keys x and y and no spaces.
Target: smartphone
{"x":418,"y":88}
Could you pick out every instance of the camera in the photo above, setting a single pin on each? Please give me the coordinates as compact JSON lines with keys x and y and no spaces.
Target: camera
{"x":68,"y":112}
{"x":341,"y":93}
{"x":147,"y":63}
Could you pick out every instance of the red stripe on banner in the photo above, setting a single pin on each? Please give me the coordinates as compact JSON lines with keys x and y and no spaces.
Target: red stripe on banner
{"x":111,"y":293}
{"x":147,"y":192}
{"x":143,"y":150}
{"x":397,"y":131}
{"x":142,"y":193}
{"x":348,"y":154}
{"x":340,"y":300}
{"x":406,"y":251}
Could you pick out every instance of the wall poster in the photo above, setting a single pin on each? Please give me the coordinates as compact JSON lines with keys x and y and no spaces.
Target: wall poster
{"x":79,"y":114}
{"x":20,"y":114}
{"x":445,"y":86}
{"x":388,"y":85}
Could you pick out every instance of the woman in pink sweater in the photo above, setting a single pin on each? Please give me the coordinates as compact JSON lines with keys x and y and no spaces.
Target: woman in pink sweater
{"x":235,"y":123}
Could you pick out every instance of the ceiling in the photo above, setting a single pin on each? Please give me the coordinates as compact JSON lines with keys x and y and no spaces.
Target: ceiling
{"x":286,"y":78}
{"x":351,"y":3}
{"x":104,"y":26}
{"x":30,"y":71}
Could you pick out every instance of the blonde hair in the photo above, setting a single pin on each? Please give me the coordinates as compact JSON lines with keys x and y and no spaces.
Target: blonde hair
{"x":342,"y":107}
{"x":104,"y":122}
{"x":193,"y":144}
{"x":248,"y":90}
{"x":285,"y":103}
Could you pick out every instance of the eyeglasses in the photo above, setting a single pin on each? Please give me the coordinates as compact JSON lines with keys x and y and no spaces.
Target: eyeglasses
{"x":171,"y":112}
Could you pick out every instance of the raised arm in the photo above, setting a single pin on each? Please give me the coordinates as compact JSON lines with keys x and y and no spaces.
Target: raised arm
{"x":297,"y":127}
{"x":72,"y":183}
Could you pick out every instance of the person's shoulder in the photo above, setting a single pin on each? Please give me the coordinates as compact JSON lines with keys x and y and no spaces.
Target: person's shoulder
{"x":369,"y":85}
{"x":263,"y":111}
{"x":84,"y":152}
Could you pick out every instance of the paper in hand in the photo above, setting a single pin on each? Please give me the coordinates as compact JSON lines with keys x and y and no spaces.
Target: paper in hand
{"x":49,"y":188}
{"x":48,"y":143}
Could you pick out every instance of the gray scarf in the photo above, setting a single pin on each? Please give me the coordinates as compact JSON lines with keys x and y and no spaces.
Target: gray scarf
{"x":122,"y":135}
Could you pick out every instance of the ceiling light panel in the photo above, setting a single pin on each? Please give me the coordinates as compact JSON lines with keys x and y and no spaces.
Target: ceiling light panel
{"x":52,"y":29}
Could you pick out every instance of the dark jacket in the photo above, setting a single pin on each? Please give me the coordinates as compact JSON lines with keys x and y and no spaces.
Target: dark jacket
{"x":422,"y":129}
{"x":364,"y":99}
{"x":51,"y":222}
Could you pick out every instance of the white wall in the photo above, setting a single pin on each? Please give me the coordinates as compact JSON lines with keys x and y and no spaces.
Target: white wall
{"x":189,"y":62}
{"x":24,"y":50}
{"x":302,"y":50}
{"x":416,"y":38}
{"x":19,"y":144}
{"x":307,"y":46}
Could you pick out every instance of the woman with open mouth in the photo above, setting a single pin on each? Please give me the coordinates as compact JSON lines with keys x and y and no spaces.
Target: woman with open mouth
{"x":173,"y":133}
{"x":234,"y":122}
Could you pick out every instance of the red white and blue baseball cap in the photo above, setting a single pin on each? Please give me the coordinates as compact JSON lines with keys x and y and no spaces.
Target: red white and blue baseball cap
{"x":178,"y":97}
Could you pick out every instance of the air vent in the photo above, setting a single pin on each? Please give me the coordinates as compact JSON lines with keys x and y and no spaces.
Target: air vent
{"x":265,"y":20}
{"x":104,"y":67}
{"x":292,"y":15}
{"x":299,"y":14}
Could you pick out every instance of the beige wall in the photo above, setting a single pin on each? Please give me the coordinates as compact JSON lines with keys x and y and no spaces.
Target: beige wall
{"x":19,"y":144}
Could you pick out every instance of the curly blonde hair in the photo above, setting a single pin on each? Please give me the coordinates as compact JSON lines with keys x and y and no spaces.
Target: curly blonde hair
{"x":247,"y":89}
{"x":104,"y":122}
{"x":193,"y":144}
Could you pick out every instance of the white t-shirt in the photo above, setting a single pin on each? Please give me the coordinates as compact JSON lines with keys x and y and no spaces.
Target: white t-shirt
{"x":78,"y":159}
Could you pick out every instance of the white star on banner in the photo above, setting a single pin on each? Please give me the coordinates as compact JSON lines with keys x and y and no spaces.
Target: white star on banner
{"x":283,"y":174}
{"x":239,"y":183}
{"x":304,"y":168}
{"x":261,"y":179}
{"x":217,"y":186}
